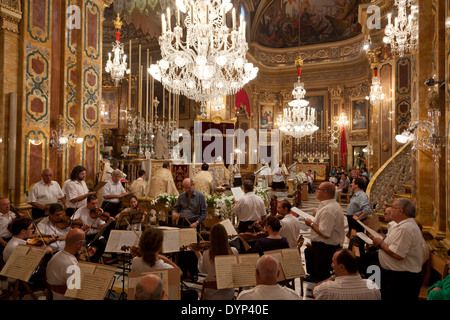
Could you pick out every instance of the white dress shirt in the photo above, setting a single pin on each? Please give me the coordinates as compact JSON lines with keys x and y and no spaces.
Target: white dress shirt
{"x":83,"y":214}
{"x":46,"y":227}
{"x":250,"y":208}
{"x":4,"y":223}
{"x":269,"y":292}
{"x":113,"y":189}
{"x":75,"y":189}
{"x":45,"y":194}
{"x":57,"y":271}
{"x":290,"y":229}
{"x":350,"y":287}
{"x":330,"y":219}
{"x":404,"y":239}
{"x":10,"y":246}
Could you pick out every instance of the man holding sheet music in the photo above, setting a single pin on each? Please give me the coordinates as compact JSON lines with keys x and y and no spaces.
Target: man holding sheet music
{"x":249,"y":209}
{"x":327,"y":233}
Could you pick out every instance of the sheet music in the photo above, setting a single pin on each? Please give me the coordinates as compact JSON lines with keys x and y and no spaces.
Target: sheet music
{"x":95,"y":282}
{"x":231,"y":230}
{"x":243,"y":275}
{"x":371,"y":231}
{"x":22,"y":262}
{"x":364,"y":237}
{"x":224,"y":270}
{"x":186,"y":237}
{"x":292,"y":265}
{"x":119,"y":238}
{"x":100,"y":185}
{"x":302,"y":213}
{"x":171,"y":241}
{"x":237,"y":193}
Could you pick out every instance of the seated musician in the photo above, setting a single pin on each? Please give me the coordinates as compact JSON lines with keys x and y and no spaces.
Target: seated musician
{"x":22,"y":229}
{"x":219,"y":246}
{"x":6,"y":217}
{"x":249,"y":209}
{"x":272,"y":242}
{"x":136,"y":207}
{"x":58,"y":267}
{"x":92,"y":225}
{"x":49,"y":225}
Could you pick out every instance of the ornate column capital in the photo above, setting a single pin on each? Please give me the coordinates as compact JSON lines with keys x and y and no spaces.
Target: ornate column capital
{"x":10,"y":15}
{"x":336,"y":92}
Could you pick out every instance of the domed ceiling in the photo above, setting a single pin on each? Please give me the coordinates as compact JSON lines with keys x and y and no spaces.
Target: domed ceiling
{"x":320,"y":21}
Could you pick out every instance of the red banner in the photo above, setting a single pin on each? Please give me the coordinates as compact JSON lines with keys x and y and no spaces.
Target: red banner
{"x":343,"y":149}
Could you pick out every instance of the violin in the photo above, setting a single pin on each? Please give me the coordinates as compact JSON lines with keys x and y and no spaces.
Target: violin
{"x":67,"y":222}
{"x":197,"y":246}
{"x":99,"y":213}
{"x":254,"y":236}
{"x":134,"y":250}
{"x":39,"y":239}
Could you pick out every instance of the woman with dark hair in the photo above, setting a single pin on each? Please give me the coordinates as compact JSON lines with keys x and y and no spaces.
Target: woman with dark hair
{"x":272,"y":242}
{"x":134,"y":209}
{"x":150,"y":245}
{"x":219,"y":246}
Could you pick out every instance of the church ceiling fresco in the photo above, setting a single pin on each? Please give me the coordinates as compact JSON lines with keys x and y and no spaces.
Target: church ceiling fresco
{"x":321,"y":21}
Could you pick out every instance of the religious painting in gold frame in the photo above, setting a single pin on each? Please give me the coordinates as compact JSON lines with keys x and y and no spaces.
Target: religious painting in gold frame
{"x":266,"y":116}
{"x":359,"y":111}
{"x":109,"y":109}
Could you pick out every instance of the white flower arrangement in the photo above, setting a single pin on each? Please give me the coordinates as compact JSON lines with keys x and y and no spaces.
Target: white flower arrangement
{"x":301,"y":177}
{"x":262,"y":192}
{"x":168,"y":199}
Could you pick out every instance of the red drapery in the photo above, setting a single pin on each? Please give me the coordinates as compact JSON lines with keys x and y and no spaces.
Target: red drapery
{"x":242,"y":100}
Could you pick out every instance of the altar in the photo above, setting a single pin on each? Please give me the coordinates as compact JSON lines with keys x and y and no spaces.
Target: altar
{"x":319,"y":170}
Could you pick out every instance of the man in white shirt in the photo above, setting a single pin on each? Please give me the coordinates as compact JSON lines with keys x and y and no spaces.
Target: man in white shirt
{"x":49,"y":225}
{"x":346,"y":283}
{"x":290,"y":225}
{"x":267,"y":287}
{"x":327,"y":233}
{"x":77,"y":190}
{"x":6,"y":217}
{"x":249,"y":209}
{"x":44,"y":193}
{"x":58,"y":268}
{"x":113,"y":191}
{"x":401,"y":254}
{"x":92,"y":226}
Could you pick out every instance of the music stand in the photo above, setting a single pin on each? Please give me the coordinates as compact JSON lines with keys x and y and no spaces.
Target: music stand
{"x":128,"y":218}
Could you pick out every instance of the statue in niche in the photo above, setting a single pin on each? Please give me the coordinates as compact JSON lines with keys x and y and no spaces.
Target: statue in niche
{"x":161,"y":146}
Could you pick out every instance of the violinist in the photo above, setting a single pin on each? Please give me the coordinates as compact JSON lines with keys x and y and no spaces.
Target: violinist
{"x":290,"y":225}
{"x":51,"y":225}
{"x":272,"y":242}
{"x":249,"y":209}
{"x":22,"y":230}
{"x":6,"y":217}
{"x":57,"y":268}
{"x":137,"y":208}
{"x":92,"y":224}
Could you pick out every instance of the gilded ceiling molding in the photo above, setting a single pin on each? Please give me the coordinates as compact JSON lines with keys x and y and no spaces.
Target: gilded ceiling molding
{"x":10,"y":15}
{"x":336,"y":92}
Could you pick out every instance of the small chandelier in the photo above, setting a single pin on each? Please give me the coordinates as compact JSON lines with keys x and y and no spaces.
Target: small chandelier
{"x":403,"y":34}
{"x":209,"y":59}
{"x":424,"y":135}
{"x":298,"y":119}
{"x":118,"y":65}
{"x":343,"y":120}
{"x":376,"y":91}
{"x":62,"y":139}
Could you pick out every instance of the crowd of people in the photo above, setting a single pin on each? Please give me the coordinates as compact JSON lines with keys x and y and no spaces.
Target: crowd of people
{"x":78,"y":227}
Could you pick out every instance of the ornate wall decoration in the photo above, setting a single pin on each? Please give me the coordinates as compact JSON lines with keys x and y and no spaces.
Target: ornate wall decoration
{"x":38,"y":20}
{"x":90,"y":152}
{"x":92,"y":38}
{"x":35,"y":156}
{"x":91,"y":98}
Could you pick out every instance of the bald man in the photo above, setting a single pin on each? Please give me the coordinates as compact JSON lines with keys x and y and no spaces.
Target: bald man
{"x":190,"y":206}
{"x":58,"y":267}
{"x":44,"y":193}
{"x":149,"y":287}
{"x":327,"y":233}
{"x":267,"y":287}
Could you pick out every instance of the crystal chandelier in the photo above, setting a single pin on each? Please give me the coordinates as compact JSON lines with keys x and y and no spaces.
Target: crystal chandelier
{"x":343,"y":120}
{"x":118,"y":65}
{"x":298,"y":119}
{"x":209,"y":59}
{"x":376,"y":91}
{"x":403,"y":34}
{"x":62,"y":139}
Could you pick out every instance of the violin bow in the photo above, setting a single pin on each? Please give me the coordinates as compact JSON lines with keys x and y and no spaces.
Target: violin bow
{"x":195,"y":229}
{"x":138,"y":236}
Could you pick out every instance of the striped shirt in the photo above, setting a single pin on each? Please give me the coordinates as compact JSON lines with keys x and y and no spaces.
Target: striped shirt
{"x":351,"y":287}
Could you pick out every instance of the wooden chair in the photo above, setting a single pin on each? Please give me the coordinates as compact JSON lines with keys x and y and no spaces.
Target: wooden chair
{"x":437,"y":264}
{"x":207,"y":285}
{"x":344,"y":197}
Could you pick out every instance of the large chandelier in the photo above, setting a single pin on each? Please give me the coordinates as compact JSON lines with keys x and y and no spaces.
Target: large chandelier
{"x":403,"y":34}
{"x":298,"y":119}
{"x":342,"y":120}
{"x":118,"y":65}
{"x":209,"y":59}
{"x":376,"y":91}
